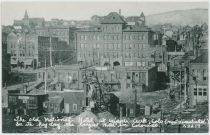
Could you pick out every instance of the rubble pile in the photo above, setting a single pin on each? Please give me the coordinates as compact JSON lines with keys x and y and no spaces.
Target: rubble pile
{"x":86,"y":114}
{"x":107,"y":115}
{"x":169,"y":105}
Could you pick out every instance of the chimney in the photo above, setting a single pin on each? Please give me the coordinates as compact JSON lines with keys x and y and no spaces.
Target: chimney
{"x":119,"y":11}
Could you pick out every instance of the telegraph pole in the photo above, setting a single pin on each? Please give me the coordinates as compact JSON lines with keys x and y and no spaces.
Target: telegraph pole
{"x":135,"y":100}
{"x":50,"y":51}
{"x":185,"y":84}
{"x":45,"y":78}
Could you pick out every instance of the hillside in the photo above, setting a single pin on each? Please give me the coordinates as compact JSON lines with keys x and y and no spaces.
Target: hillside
{"x":180,"y":17}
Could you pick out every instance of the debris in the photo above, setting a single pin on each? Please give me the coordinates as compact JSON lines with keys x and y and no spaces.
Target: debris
{"x":107,"y":115}
{"x":86,"y":114}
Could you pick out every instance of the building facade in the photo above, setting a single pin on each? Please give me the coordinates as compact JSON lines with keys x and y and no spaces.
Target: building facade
{"x":115,"y":43}
{"x":198,"y":80}
{"x":69,"y":77}
{"x":6,"y":67}
{"x":26,"y":103}
{"x":31,"y":50}
{"x":63,"y":33}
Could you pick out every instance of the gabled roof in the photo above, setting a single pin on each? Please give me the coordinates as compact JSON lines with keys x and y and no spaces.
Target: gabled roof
{"x":113,"y":17}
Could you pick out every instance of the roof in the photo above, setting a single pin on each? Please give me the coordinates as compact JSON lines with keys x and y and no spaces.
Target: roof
{"x":201,"y":59}
{"x":69,"y":96}
{"x":90,"y":29}
{"x":136,"y":28}
{"x":55,"y":99}
{"x":143,"y":98}
{"x":113,"y":17}
{"x":34,"y":92}
{"x":12,"y":34}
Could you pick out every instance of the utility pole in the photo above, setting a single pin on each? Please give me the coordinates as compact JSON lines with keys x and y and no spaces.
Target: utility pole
{"x":135,"y":101}
{"x":180,"y":89}
{"x":185,"y":84}
{"x":50,"y":51}
{"x":45,"y":78}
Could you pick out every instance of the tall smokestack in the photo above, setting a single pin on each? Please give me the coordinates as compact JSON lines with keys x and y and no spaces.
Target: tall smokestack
{"x":119,"y":11}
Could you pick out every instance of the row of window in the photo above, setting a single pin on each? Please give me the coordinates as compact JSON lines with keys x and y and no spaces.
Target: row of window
{"x":113,"y":55}
{"x":113,"y":46}
{"x":91,"y":37}
{"x":59,"y":33}
{"x":135,"y":37}
{"x":200,"y":91}
{"x":141,"y":63}
{"x":113,"y":37}
{"x":134,"y":55}
{"x":135,"y":46}
{"x":199,"y":74}
{"x":112,"y":28}
{"x":27,"y":45}
{"x":95,"y":46}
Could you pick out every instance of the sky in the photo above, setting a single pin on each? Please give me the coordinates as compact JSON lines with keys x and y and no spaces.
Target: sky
{"x":84,"y":10}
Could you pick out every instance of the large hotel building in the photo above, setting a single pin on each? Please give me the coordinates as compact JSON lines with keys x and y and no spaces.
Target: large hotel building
{"x":115,"y":42}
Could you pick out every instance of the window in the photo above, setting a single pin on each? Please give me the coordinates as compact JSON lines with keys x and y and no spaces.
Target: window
{"x":127,"y":55}
{"x":94,"y":46}
{"x":128,"y":76}
{"x":32,"y":102}
{"x":82,"y":45}
{"x":195,"y":91}
{"x":131,"y":111}
{"x":85,"y":37}
{"x":98,"y":46}
{"x":128,"y":85}
{"x":204,"y":92}
{"x":74,"y":107}
{"x":200,"y":91}
{"x":204,"y":74}
{"x":118,"y":46}
{"x":130,"y":46}
{"x":12,"y":99}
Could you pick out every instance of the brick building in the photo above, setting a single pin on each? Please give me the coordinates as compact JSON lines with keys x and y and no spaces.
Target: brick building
{"x":126,"y":78}
{"x":30,"y":50}
{"x":198,"y":80}
{"x":63,"y":33}
{"x":115,"y":43}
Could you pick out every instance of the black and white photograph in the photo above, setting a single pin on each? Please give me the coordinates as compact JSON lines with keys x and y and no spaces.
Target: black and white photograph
{"x":104,"y":67}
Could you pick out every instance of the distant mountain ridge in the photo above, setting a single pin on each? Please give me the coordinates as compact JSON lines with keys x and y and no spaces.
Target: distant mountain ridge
{"x":189,"y":17}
